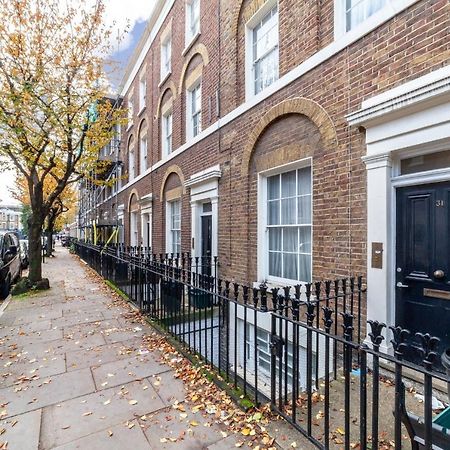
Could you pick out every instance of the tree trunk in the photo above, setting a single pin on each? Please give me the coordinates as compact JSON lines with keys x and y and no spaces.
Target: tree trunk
{"x":34,"y":249}
{"x":49,"y":246}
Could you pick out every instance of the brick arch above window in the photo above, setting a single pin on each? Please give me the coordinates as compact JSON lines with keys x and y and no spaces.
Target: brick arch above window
{"x":170,"y":88}
{"x":244,"y":14}
{"x":199,"y":49}
{"x":303,"y":106}
{"x":133,"y":201}
{"x":174,"y":169}
{"x":142,"y":127}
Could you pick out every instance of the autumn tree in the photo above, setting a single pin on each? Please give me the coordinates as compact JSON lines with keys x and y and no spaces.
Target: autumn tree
{"x":61,"y":212}
{"x":53,"y":115}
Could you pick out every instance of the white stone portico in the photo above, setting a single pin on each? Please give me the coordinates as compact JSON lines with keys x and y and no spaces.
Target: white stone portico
{"x":410,"y":120}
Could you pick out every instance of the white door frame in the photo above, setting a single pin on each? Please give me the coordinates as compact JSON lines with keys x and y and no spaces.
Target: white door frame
{"x":410,"y":120}
{"x":204,"y":189}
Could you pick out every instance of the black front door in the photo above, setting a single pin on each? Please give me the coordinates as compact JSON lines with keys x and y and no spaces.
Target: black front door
{"x":206,"y":244}
{"x":423,"y":260}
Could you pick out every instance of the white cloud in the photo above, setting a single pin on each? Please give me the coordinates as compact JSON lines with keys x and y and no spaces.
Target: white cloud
{"x":122,"y":14}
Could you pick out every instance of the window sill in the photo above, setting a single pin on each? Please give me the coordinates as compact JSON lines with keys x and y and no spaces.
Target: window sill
{"x":164,"y":78}
{"x":129,"y":126}
{"x":141,"y":110}
{"x":190,"y":44}
{"x":280,"y":285}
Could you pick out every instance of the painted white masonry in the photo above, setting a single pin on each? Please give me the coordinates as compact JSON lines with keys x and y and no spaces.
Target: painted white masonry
{"x":409,"y":120}
{"x":204,"y":187}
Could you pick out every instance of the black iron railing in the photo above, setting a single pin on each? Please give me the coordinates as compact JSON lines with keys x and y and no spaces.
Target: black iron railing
{"x":303,"y":348}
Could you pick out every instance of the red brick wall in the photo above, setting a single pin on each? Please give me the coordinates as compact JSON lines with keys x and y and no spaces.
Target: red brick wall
{"x":413,"y":43}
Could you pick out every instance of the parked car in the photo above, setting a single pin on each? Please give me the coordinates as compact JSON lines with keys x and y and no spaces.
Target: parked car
{"x":10,"y":263}
{"x":24,"y":253}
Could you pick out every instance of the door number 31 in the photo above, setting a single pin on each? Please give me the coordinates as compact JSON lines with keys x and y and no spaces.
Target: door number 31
{"x":439,"y":203}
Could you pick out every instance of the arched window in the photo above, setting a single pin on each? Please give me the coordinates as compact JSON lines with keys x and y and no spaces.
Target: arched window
{"x":131,"y":160}
{"x":143,"y":148}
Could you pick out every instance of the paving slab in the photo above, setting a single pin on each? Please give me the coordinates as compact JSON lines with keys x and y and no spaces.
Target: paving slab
{"x":22,"y":432}
{"x":86,"y":329}
{"x":26,"y":328}
{"x":118,"y":437}
{"x":120,"y":335}
{"x":30,"y":315}
{"x":96,"y":412}
{"x":31,"y":338}
{"x":75,"y":319}
{"x":231,"y":441}
{"x":124,"y":371}
{"x":102,"y":354}
{"x":171,"y":428}
{"x":34,"y":302}
{"x":44,"y":392}
{"x":16,"y":371}
{"x":169,"y":388}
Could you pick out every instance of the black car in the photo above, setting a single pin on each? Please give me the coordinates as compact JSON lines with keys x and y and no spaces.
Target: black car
{"x":10,"y":262}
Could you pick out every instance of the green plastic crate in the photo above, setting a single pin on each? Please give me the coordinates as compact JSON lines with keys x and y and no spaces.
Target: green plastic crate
{"x":443,"y":419}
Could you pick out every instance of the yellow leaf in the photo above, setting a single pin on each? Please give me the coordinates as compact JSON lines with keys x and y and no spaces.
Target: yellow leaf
{"x":246,"y":431}
{"x":193,"y":423}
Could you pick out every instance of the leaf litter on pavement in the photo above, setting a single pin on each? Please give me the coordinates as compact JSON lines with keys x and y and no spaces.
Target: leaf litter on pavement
{"x":205,"y":404}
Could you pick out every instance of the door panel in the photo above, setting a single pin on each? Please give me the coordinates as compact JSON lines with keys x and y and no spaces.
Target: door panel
{"x":206,"y":222}
{"x":423,"y":260}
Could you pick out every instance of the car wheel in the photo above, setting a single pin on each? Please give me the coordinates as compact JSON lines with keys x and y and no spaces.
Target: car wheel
{"x":4,"y":289}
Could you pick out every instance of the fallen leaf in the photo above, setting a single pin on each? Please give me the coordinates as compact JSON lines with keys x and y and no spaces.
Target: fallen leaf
{"x":89,"y":413}
{"x":107,"y":402}
{"x":110,"y":433}
{"x":133,"y":402}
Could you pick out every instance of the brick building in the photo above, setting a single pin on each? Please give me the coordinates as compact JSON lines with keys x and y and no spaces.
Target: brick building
{"x":295,"y":140}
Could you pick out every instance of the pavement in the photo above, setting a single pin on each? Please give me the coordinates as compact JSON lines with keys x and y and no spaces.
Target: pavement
{"x":76,"y":373}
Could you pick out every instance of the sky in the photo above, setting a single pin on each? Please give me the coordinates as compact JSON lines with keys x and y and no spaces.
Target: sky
{"x":120,"y":14}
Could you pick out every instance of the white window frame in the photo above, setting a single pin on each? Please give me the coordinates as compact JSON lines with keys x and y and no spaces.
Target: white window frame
{"x":166,"y":57}
{"x":190,"y":113}
{"x":190,"y":33}
{"x":170,"y":230}
{"x":142,"y":93}
{"x":254,"y":21}
{"x":166,"y":138}
{"x":131,"y":164}
{"x":143,"y":143}
{"x":340,"y":17}
{"x":130,"y":113}
{"x":263,"y":234}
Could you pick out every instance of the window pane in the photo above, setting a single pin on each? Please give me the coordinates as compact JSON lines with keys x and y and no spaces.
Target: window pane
{"x":266,"y":71}
{"x":304,"y":210}
{"x":305,"y":240}
{"x":290,"y":266}
{"x":288,"y":181}
{"x":360,"y":10}
{"x":290,"y":240}
{"x":273,"y":187}
{"x":275,"y":264}
{"x":274,"y":212}
{"x":275,"y":239}
{"x":305,"y":268}
{"x":304,"y":181}
{"x":288,"y":211}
